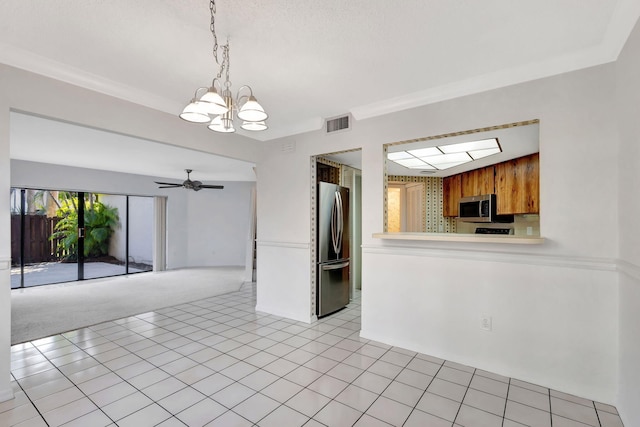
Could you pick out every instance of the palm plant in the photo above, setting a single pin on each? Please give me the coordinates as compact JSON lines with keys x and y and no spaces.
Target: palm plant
{"x":100,"y":221}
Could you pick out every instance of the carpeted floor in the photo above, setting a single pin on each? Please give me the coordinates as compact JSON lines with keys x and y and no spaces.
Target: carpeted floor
{"x":48,"y":310}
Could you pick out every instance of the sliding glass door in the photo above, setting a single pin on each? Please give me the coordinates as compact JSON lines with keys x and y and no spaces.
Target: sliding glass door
{"x":59,"y":236}
{"x":38,"y":254}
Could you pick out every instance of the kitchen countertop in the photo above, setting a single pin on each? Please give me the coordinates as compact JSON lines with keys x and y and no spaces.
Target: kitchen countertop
{"x":468,"y":238}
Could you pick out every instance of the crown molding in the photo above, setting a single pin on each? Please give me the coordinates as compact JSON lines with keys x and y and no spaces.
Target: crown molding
{"x":486,"y":82}
{"x":28,"y":61}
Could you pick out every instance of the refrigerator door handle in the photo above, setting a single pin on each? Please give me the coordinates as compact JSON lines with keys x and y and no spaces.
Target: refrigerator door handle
{"x":340,"y":223}
{"x":336,"y":232}
{"x":335,"y":266}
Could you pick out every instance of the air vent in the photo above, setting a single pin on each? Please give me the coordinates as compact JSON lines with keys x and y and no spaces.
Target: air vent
{"x":337,"y":124}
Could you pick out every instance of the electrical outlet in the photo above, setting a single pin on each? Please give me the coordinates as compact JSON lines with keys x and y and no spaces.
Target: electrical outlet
{"x":485,"y":322}
{"x":529,"y":231}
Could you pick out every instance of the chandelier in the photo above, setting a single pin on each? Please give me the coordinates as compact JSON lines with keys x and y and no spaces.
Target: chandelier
{"x":216,"y":105}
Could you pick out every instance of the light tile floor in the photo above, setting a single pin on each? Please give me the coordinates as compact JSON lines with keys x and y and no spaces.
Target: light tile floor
{"x":217,"y":362}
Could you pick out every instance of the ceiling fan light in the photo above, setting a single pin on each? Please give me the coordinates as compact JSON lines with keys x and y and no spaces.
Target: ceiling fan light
{"x":194,"y":113}
{"x":213,"y":102}
{"x":252,"y":111}
{"x":219,"y":124}
{"x":254,"y":126}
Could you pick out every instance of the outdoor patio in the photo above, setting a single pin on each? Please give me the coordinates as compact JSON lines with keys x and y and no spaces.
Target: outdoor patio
{"x":57,"y":272}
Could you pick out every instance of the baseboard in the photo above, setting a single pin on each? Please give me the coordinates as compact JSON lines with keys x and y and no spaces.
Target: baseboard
{"x":630,"y":269}
{"x":6,"y":394}
{"x":286,"y":314}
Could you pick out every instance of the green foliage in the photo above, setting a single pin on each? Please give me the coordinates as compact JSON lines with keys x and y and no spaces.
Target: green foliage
{"x":99,"y":222}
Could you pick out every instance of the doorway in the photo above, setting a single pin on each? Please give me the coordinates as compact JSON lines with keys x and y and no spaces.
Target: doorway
{"x":344,"y":169}
{"x":405,"y":207}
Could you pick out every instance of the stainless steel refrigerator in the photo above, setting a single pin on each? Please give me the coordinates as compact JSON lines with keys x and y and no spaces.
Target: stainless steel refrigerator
{"x":333,"y":248}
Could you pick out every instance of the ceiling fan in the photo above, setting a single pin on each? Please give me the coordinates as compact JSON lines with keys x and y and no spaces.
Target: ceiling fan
{"x":188,"y":184}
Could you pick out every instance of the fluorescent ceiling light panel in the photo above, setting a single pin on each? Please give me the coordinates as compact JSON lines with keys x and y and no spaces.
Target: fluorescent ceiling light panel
{"x":430,"y":158}
{"x":444,"y":166}
{"x":425,"y":152}
{"x":470,"y":146}
{"x":479,"y":154}
{"x":424,"y":166}
{"x":411,"y":163}
{"x":399,"y":155}
{"x":447,"y":158}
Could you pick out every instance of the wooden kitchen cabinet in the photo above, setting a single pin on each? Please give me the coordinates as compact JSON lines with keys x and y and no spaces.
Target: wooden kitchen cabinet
{"x":478,"y":182}
{"x":517,"y":184}
{"x":451,"y":192}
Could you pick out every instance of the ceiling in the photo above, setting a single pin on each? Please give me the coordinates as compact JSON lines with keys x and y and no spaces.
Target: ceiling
{"x":50,"y":141}
{"x":307,"y":60}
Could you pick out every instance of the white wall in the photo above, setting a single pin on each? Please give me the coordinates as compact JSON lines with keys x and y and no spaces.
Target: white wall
{"x":628,"y":94}
{"x":204,"y":228}
{"x":5,"y":252}
{"x":140,"y":228}
{"x":219,"y":224}
{"x":554,"y":305}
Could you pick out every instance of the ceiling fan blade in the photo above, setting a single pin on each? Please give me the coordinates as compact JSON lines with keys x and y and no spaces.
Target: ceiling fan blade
{"x":215,"y":187}
{"x":166,"y":183}
{"x":171,"y":186}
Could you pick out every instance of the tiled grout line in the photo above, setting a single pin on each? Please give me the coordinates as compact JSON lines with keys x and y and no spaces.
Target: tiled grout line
{"x":231,"y":305}
{"x":465,"y":395}
{"x":426,"y":388}
{"x":506,"y":402}
{"x":74,"y":385}
{"x":390,"y":349}
{"x":550,"y":407}
{"x":30,"y":401}
{"x":597,"y":414}
{"x":101,"y":363}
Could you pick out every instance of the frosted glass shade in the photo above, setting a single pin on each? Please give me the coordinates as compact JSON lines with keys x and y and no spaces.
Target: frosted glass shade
{"x":252,"y":111}
{"x":214,"y":103}
{"x":195,"y":113}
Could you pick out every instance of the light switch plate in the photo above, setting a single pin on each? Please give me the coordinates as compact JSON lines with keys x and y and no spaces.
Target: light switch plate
{"x":485,"y":322}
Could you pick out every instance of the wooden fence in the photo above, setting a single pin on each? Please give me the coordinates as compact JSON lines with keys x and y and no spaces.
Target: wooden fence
{"x":37,"y":245}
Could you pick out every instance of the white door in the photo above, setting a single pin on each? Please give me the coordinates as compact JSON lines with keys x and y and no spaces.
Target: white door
{"x":414,"y":207}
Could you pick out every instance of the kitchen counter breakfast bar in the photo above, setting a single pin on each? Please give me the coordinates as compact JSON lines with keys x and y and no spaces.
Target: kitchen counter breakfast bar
{"x":467,"y":238}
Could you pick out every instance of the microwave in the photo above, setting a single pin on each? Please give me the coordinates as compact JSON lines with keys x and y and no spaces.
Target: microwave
{"x":480,"y":209}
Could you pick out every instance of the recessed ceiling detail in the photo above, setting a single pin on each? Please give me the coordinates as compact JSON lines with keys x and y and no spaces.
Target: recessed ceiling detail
{"x":446,"y":156}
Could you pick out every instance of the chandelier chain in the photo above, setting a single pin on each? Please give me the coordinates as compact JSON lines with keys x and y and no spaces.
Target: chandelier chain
{"x":212,"y":27}
{"x":227,"y":63}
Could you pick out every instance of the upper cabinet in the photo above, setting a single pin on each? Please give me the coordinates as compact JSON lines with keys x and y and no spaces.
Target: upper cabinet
{"x":478,"y":181}
{"x":518,"y":185}
{"x":451,"y":191}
